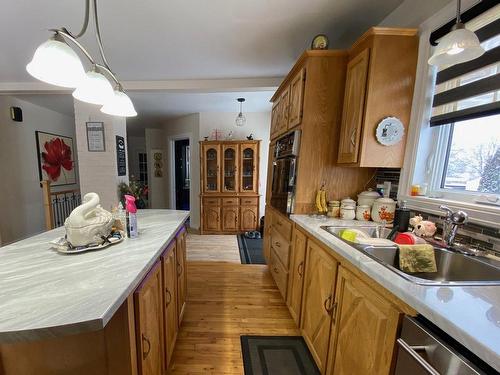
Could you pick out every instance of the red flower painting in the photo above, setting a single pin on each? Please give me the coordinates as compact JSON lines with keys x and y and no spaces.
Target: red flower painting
{"x":57,"y":155}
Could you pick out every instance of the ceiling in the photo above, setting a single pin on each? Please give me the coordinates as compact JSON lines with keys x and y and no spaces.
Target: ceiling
{"x":153,"y":40}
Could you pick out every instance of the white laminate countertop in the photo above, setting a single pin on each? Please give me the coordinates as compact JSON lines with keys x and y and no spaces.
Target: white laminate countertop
{"x":45,"y":294}
{"x":471,"y":314}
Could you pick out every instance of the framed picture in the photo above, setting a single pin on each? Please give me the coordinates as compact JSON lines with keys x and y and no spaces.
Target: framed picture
{"x":55,"y":158}
{"x":157,"y":163}
{"x":95,"y":137}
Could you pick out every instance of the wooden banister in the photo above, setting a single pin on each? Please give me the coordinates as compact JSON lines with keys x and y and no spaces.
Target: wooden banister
{"x":47,"y":205}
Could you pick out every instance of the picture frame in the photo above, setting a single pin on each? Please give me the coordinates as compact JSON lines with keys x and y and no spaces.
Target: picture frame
{"x":55,"y":158}
{"x":95,"y":137}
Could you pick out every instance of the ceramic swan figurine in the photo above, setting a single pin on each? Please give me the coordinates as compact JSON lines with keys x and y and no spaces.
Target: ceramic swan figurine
{"x":88,"y":222}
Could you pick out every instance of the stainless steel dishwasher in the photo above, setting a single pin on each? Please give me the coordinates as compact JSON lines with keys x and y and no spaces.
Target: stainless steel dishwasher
{"x":423,"y":352}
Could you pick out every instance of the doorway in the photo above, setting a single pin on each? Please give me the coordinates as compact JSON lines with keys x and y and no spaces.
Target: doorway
{"x":182,"y":172}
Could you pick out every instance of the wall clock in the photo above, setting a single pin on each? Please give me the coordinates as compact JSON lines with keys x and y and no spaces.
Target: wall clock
{"x":390,"y":131}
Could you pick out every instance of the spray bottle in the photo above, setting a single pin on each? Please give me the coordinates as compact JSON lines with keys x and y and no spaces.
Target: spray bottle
{"x":131,"y":216}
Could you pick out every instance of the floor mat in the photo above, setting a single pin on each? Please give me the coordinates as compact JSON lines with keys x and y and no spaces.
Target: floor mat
{"x":250,"y":250}
{"x":277,"y":355}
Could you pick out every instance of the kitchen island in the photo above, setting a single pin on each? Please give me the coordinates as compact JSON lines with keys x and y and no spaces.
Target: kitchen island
{"x":469,"y":314}
{"x":90,"y":302}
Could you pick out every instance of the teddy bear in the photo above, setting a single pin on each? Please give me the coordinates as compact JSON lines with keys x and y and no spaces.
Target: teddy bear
{"x":421,"y":227}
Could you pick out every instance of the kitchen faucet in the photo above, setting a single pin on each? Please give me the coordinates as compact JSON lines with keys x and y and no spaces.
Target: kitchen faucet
{"x":451,"y":223}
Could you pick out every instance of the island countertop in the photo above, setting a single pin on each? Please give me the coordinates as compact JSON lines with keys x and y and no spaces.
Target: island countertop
{"x":46,"y":294}
{"x":469,"y":314}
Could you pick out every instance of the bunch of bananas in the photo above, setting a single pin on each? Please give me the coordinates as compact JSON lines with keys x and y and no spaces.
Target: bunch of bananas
{"x":321,"y":200}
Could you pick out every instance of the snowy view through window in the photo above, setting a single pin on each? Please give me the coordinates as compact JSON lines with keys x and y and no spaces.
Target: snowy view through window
{"x":474,"y":156}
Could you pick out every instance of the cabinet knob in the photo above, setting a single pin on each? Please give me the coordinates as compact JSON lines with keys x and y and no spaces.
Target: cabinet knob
{"x":145,"y":340}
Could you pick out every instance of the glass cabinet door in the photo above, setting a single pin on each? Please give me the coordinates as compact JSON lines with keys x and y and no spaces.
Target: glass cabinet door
{"x":248,"y":168}
{"x":211,"y":156}
{"x":230,"y":168}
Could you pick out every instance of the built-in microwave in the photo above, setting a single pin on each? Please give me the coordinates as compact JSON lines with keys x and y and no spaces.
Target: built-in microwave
{"x":284,"y":172}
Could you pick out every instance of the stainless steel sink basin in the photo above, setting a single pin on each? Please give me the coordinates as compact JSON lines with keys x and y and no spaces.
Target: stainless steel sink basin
{"x":453,"y":268}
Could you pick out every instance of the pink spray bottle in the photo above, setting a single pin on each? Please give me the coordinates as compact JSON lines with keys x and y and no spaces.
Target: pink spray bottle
{"x":131,"y":216}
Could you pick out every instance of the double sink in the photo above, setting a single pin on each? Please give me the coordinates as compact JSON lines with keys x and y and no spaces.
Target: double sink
{"x":453,"y":268}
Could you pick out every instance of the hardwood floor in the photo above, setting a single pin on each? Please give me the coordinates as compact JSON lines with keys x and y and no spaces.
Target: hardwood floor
{"x":218,"y":248}
{"x":225,"y":301}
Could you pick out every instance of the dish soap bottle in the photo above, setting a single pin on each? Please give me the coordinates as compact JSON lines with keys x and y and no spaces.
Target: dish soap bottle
{"x":131,"y":216}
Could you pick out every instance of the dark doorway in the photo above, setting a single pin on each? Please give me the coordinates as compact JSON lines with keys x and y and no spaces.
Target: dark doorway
{"x":182,"y":174}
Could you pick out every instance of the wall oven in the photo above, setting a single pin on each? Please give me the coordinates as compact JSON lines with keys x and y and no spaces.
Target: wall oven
{"x":284,"y":172}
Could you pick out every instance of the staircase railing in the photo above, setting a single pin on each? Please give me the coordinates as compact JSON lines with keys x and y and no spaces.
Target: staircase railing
{"x":58,"y":204}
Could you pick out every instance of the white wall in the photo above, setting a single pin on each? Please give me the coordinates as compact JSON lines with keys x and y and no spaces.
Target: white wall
{"x":155,"y":140}
{"x":98,"y":170}
{"x":412,"y":13}
{"x":135,"y":145}
{"x":21,"y":202}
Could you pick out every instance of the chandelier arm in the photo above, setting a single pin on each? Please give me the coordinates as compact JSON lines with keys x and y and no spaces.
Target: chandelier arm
{"x":98,"y":37}
{"x":458,"y":12}
{"x":85,"y":22}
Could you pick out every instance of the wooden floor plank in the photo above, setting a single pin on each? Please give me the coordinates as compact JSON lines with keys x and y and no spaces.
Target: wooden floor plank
{"x":217,"y":248}
{"x":225,"y":301}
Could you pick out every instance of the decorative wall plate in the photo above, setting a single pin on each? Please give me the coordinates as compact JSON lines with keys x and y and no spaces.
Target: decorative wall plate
{"x":390,"y":131}
{"x":320,"y":42}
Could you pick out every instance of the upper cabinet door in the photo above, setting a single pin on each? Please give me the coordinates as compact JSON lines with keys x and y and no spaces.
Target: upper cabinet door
{"x":248,"y":171}
{"x":354,"y":104}
{"x":296,"y":99}
{"x":284,"y":107}
{"x":275,"y":118}
{"x":211,"y":168}
{"x":230,"y":168}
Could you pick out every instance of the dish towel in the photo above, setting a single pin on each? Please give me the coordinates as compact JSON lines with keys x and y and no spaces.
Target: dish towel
{"x":417,"y":258}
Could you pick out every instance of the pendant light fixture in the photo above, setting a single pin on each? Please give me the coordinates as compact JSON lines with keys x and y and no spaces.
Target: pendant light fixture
{"x":56,"y":63}
{"x":458,"y":46}
{"x":241,"y":119}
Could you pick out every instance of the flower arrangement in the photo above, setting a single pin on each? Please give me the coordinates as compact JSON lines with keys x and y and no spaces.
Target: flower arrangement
{"x":136,"y":189}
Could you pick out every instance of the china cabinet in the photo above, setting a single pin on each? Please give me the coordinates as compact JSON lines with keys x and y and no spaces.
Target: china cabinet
{"x":230,"y":190}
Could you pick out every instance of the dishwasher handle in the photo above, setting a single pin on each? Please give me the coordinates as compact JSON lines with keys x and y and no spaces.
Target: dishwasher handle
{"x":412,"y":351}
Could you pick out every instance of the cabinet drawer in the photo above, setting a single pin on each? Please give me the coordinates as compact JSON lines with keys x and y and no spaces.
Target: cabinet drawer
{"x":283,"y":226}
{"x":281,"y":247}
{"x":250,"y":201}
{"x":229,"y":201}
{"x":279,"y":274}
{"x":211,"y":201}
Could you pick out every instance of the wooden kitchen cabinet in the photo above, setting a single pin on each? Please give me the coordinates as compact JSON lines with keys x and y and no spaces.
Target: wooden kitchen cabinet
{"x":354,"y":102}
{"x":364,"y":329}
{"x":379,"y":84}
{"x":231,"y":204}
{"x":181,"y":273}
{"x":296,"y":274}
{"x":318,"y":301}
{"x":148,"y":303}
{"x":169,"y":275}
{"x":296,"y":99}
{"x":230,"y":219}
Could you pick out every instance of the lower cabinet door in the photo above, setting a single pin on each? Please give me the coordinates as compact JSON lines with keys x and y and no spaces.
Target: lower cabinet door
{"x":230,"y":219}
{"x":318,"y":301}
{"x":248,"y":218}
{"x":296,"y":274}
{"x":181,"y":274}
{"x":169,"y":267}
{"x":211,"y":218}
{"x":148,"y":303}
{"x":363,"y":330}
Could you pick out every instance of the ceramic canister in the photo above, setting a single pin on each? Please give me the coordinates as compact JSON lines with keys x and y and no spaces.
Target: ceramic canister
{"x":363,"y":213}
{"x":347,"y":213}
{"x":367,"y":197}
{"x":383,"y":210}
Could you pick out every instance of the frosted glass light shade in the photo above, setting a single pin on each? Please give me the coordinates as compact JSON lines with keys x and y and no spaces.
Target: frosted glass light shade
{"x":94,"y":89}
{"x":241,"y":120}
{"x":56,"y":63}
{"x":119,"y":105}
{"x":458,"y":46}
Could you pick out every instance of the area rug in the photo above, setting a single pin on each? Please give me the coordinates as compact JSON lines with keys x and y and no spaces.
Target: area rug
{"x":250,"y":250}
{"x":277,"y":355}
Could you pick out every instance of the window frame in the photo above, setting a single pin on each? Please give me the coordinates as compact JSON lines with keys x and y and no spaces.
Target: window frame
{"x":423,"y":142}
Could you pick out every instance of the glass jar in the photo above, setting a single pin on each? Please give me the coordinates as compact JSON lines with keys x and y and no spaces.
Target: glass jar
{"x":333,"y":208}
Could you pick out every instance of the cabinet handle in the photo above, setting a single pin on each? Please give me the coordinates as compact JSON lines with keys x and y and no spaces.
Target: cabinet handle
{"x":277,"y":244}
{"x":353,"y":135}
{"x":279,"y":223}
{"x":412,"y":351}
{"x":275,"y":270}
{"x":326,"y":304}
{"x":145,"y":340}
{"x":300,"y":269}
{"x":169,"y":295}
{"x":334,"y":311}
{"x":179,"y":269}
